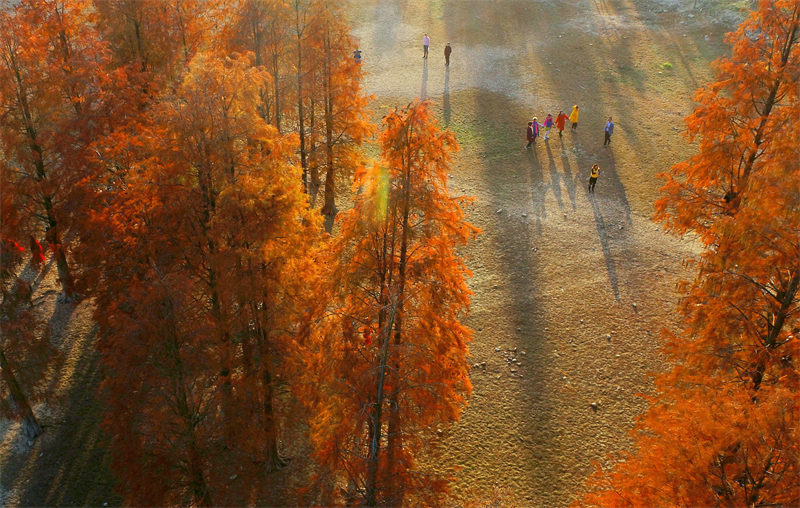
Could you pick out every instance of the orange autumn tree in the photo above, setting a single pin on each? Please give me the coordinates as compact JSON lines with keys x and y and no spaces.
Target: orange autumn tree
{"x":388,"y":363}
{"x":52,"y":80}
{"x":722,"y":426}
{"x":200,"y":248}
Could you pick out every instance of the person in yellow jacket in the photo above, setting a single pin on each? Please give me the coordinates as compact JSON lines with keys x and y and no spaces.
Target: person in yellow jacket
{"x":573,"y":117}
{"x":593,"y":177}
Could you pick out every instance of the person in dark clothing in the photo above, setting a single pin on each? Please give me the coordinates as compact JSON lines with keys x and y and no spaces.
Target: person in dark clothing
{"x":447,"y":51}
{"x":533,"y":132}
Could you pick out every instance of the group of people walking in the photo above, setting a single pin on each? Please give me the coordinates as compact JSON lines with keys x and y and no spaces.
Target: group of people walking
{"x":560,"y":122}
{"x":535,"y":127}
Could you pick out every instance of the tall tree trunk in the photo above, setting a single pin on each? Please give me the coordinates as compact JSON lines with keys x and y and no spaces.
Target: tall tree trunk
{"x":30,"y":426}
{"x":67,"y":285}
{"x":59,"y":253}
{"x":329,"y":207}
{"x":394,"y":433}
{"x":194,"y":461}
{"x":300,"y":110}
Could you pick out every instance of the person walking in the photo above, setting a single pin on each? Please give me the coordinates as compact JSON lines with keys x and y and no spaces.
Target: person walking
{"x":593,"y":177}
{"x":447,"y":51}
{"x":573,"y":117}
{"x":548,"y":124}
{"x":609,"y":131}
{"x":561,"y":122}
{"x":533,"y":132}
{"x":426,"y":41}
{"x":357,"y":56}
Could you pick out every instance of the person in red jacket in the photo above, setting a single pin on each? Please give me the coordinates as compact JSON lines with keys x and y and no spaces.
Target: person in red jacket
{"x":37,"y":253}
{"x":561,"y":122}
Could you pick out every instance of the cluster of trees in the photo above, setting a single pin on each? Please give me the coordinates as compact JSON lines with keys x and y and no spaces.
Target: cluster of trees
{"x":168,"y":152}
{"x":722,"y":428}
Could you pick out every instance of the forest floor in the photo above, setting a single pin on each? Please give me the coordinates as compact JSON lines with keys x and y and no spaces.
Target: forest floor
{"x":557,"y":271}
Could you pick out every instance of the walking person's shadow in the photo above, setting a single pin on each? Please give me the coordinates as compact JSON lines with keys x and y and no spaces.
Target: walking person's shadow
{"x":423,"y":94}
{"x":446,"y":96}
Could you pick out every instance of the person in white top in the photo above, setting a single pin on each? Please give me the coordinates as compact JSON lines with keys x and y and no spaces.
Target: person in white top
{"x":426,"y":41}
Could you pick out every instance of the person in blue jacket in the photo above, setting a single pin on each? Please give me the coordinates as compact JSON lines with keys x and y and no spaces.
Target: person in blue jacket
{"x":609,"y":132}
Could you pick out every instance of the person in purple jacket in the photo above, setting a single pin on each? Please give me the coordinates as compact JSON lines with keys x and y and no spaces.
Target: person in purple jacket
{"x":609,"y":131}
{"x":548,"y":124}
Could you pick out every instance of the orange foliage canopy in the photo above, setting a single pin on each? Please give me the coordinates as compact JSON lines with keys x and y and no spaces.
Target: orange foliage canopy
{"x":200,"y":250}
{"x":388,"y":362}
{"x":722,"y":427}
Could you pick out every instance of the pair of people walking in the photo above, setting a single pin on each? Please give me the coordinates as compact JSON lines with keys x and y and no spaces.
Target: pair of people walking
{"x":426,"y":42}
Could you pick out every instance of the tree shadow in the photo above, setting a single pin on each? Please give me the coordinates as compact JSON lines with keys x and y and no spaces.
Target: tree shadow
{"x":571,"y":182}
{"x":538,"y":188}
{"x":70,"y":463}
{"x":555,"y":177}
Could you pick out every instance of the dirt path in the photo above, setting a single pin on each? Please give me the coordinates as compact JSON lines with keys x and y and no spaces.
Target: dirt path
{"x":556,"y":271}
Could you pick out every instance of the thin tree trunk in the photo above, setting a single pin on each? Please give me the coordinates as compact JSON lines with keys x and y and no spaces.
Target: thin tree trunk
{"x":790,"y":40}
{"x":274,"y":461}
{"x":313,"y":167}
{"x":371,"y":489}
{"x":30,"y":426}
{"x":786,"y":299}
{"x":276,"y":92}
